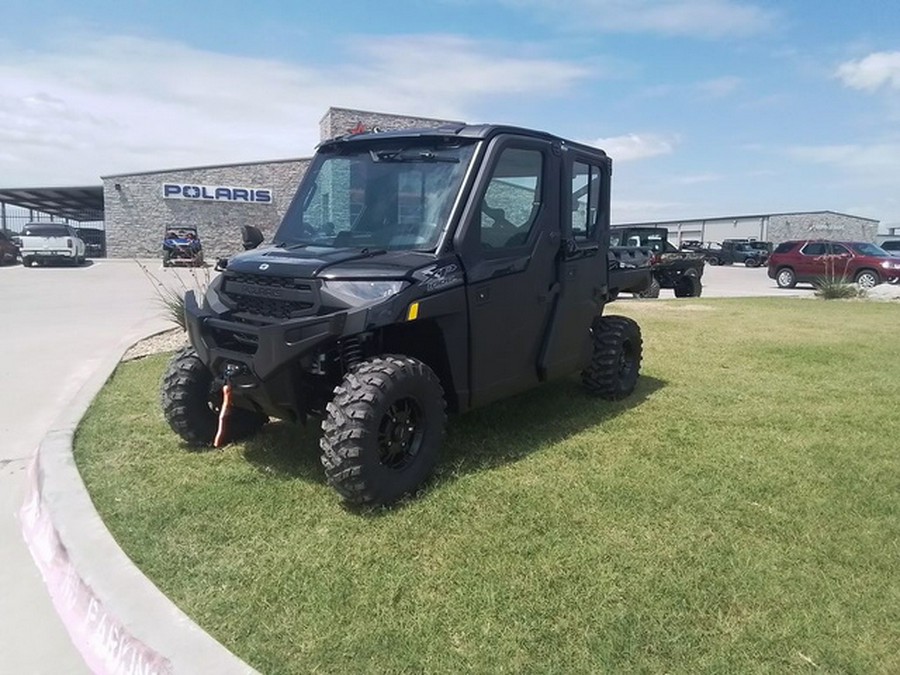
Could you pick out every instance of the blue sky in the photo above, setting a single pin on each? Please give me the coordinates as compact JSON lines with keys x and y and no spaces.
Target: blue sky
{"x":708,"y":107}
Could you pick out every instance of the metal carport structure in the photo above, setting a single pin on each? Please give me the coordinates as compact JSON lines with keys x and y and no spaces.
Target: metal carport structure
{"x":82,"y":204}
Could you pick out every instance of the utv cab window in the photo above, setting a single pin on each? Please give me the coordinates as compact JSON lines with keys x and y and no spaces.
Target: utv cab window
{"x":377,"y":196}
{"x":585,"y":200}
{"x":656,"y":240}
{"x":512,"y":200}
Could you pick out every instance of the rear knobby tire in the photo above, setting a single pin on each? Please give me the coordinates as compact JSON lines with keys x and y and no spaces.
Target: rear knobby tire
{"x":383,"y":430}
{"x":652,"y":291}
{"x":688,"y":286}
{"x":616,"y":359}
{"x":191,"y":401}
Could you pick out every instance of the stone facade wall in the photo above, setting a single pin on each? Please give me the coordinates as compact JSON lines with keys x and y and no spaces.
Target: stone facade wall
{"x":342,"y":121}
{"x":137,"y":214}
{"x":824,"y":225}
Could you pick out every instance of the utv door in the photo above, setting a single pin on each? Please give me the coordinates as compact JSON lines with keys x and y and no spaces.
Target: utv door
{"x":583,"y":264}
{"x":509,"y":243}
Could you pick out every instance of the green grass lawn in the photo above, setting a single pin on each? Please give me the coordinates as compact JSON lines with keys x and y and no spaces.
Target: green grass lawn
{"x":740,"y":513}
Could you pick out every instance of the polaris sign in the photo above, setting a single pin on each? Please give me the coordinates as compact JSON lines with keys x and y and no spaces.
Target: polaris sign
{"x":217,"y":193}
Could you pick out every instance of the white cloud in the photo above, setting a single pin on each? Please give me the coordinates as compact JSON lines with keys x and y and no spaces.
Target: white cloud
{"x":697,"y":179}
{"x":876,"y":156}
{"x":876,"y":70}
{"x":692,"y":18}
{"x":875,"y":164}
{"x":631,"y":147}
{"x":719,"y":87}
{"x":99,"y":105}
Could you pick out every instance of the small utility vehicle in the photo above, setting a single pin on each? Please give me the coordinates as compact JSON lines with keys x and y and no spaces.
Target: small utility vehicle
{"x":682,"y":271}
{"x":182,"y":247}
{"x":415,"y":272}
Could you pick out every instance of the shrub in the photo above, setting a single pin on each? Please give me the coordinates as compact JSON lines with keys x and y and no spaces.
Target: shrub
{"x":831,"y":288}
{"x":171,"y":296}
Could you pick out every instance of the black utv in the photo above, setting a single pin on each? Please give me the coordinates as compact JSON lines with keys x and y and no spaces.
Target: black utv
{"x":415,"y":273}
{"x":682,"y":271}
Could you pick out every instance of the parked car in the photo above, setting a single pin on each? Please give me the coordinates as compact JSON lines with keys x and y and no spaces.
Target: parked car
{"x":812,"y":260}
{"x":731,"y":251}
{"x":9,"y":250}
{"x":892,"y":247}
{"x":50,"y":242}
{"x":763,"y":246}
{"x":94,"y":241}
{"x":181,"y":246}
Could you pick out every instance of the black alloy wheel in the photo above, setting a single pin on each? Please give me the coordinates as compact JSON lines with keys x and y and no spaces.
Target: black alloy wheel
{"x":400,"y":434}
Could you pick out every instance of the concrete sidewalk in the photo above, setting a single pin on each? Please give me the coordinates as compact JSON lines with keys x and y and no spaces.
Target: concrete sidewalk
{"x":59,"y":324}
{"x":64,"y":332}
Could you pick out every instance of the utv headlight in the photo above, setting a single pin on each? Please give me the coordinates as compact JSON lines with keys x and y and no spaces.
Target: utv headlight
{"x":362,"y":292}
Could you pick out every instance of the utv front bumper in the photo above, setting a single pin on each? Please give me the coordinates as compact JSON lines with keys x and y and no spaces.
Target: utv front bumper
{"x":262,"y":350}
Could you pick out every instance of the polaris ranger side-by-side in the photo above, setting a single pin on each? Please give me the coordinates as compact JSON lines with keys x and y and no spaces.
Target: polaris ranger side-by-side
{"x":682,"y":271}
{"x":415,"y":272}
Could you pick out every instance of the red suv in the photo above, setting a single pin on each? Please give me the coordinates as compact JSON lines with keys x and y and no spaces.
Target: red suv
{"x":811,"y":260}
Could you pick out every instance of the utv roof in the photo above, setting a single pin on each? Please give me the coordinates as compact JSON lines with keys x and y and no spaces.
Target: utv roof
{"x":475,"y":132}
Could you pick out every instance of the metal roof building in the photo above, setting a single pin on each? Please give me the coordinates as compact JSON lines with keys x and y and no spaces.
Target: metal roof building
{"x":774,"y":227}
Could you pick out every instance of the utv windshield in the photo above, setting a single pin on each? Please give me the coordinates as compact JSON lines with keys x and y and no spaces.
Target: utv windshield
{"x":380,"y":196}
{"x":653,"y":239}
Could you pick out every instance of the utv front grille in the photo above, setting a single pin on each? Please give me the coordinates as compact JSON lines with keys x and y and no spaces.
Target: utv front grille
{"x":270,"y":297}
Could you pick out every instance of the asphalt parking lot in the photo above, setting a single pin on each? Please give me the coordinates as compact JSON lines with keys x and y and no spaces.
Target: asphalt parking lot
{"x":58,"y":323}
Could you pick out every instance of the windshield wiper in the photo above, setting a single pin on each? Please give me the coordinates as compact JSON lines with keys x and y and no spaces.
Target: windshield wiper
{"x":406,"y":155}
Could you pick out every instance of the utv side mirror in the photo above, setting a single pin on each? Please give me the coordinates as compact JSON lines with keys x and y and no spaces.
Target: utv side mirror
{"x":251,"y":236}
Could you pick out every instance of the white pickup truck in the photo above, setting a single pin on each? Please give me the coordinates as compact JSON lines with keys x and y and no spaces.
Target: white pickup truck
{"x":44,"y":242}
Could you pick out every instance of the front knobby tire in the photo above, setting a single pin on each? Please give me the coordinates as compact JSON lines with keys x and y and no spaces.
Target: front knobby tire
{"x":191,"y":401}
{"x":383,"y":430}
{"x":616,"y":359}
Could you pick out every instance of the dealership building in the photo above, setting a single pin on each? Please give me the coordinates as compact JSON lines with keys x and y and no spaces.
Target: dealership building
{"x":774,"y":227}
{"x":137,"y":209}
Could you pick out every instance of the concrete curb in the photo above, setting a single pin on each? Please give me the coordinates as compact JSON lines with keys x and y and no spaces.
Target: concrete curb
{"x":117,"y":618}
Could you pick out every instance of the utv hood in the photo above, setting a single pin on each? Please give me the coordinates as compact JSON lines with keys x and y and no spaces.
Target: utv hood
{"x":329,"y":263}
